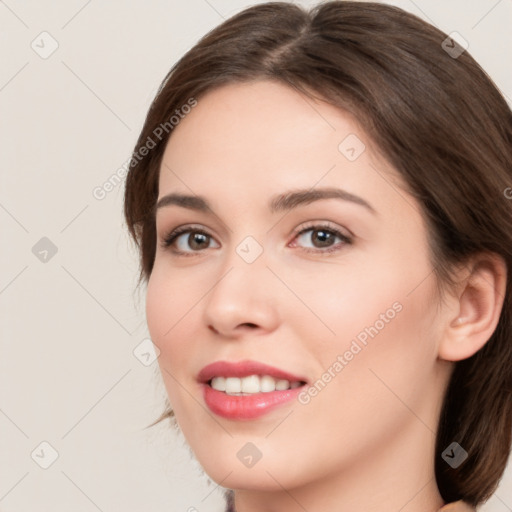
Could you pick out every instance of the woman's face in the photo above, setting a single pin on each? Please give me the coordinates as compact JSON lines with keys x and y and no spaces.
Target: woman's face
{"x":336,"y":291}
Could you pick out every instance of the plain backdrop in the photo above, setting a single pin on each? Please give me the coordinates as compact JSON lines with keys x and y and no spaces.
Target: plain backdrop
{"x":76,"y":384}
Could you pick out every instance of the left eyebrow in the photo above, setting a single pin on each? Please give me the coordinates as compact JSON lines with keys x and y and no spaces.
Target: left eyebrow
{"x":278,"y":203}
{"x":296,"y":198}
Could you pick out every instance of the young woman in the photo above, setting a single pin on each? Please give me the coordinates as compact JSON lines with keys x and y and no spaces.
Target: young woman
{"x":322,"y":202}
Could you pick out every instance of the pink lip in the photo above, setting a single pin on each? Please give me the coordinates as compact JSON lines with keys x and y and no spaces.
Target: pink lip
{"x":245,"y":407}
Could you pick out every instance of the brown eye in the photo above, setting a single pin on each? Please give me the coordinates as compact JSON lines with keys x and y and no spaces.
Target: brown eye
{"x":197,"y":241}
{"x":187,"y":240}
{"x":316,"y":238}
{"x":322,"y":238}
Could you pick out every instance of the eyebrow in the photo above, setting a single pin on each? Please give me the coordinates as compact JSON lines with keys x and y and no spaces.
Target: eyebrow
{"x":278,"y":203}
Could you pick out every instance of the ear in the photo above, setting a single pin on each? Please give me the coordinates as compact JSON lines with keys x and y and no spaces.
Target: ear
{"x":474,"y":309}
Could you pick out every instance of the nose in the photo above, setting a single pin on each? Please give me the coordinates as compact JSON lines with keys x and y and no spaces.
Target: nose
{"x":242,"y":299}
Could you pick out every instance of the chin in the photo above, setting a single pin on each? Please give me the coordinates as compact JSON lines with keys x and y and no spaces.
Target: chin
{"x":266,"y":474}
{"x":248,"y":479}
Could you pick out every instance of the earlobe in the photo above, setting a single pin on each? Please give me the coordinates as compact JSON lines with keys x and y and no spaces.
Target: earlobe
{"x":474,"y":315}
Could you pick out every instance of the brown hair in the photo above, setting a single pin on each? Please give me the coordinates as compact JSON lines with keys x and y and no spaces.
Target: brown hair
{"x":436,"y":117}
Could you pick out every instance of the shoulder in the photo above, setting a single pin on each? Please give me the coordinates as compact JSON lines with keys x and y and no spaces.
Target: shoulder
{"x":457,"y":506}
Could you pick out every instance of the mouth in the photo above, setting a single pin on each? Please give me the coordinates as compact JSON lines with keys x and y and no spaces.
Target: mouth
{"x":246,"y":390}
{"x":252,"y":384}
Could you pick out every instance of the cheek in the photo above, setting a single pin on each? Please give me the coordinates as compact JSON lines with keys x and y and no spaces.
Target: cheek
{"x":166,"y":315}
{"x":387,"y":302}
{"x":168,"y":303}
{"x":169,"y":298}
{"x":382,"y":357}
{"x":158,"y":306}
{"x":384,"y":352}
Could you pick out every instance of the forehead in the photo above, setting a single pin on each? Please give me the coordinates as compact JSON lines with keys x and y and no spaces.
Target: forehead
{"x":248,"y":116}
{"x":261,"y":137}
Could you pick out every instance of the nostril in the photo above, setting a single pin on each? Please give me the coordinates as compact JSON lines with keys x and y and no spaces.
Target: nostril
{"x":249,"y":325}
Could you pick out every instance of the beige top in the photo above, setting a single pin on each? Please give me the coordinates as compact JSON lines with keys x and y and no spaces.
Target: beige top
{"x":457,"y":506}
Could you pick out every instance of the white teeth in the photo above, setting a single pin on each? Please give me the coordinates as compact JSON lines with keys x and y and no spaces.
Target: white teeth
{"x":251,"y":384}
{"x":267,"y":384}
{"x":281,"y":385}
{"x":219,"y":383}
{"x":233,"y":385}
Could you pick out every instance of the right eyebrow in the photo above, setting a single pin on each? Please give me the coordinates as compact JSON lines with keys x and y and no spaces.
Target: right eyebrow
{"x":185,"y":201}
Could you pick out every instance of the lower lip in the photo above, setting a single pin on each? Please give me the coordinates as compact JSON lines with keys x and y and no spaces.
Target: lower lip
{"x":246,"y":407}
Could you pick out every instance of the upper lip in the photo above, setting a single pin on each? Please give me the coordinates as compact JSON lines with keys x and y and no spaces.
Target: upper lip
{"x":243,"y":369}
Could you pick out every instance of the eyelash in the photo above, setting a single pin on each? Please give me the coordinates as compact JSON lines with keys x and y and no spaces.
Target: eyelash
{"x":169,"y":239}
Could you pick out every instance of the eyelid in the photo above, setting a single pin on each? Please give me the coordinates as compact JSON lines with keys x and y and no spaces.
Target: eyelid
{"x":328,"y":225}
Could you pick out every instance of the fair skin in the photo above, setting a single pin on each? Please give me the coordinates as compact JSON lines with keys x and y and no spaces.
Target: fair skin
{"x":366,"y":441}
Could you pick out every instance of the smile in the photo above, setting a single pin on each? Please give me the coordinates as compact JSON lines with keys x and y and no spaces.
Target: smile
{"x":248,"y":389}
{"x":252,"y":384}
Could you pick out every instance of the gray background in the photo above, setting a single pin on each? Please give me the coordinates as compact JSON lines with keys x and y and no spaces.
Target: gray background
{"x":71,"y":321}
